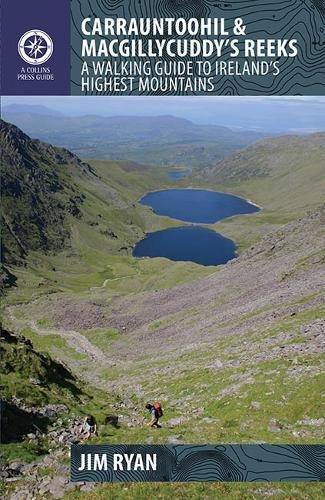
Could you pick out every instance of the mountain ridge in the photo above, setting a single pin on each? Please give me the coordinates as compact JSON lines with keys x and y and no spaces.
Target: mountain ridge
{"x":164,"y":140}
{"x":304,"y":142}
{"x":36,"y":109}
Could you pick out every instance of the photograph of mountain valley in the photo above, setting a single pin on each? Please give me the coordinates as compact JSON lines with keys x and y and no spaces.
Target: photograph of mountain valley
{"x":159,"y":249}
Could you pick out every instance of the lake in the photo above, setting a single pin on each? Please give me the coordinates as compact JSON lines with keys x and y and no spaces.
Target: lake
{"x":197,"y":205}
{"x":188,"y":243}
{"x":192,"y":243}
{"x":177,"y":175}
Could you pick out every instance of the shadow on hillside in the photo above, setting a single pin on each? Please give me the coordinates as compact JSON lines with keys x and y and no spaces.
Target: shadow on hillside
{"x":17,"y":423}
{"x":58,"y":374}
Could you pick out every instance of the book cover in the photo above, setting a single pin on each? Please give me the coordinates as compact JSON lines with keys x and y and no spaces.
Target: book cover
{"x":162,"y":249}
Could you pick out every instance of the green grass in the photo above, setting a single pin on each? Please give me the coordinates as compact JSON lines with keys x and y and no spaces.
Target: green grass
{"x":86,"y":275}
{"x":46,"y":343}
{"x":198,"y":491}
{"x":94,"y":255}
{"x":21,"y":365}
{"x":230,"y":417}
{"x":284,"y":176}
{"x":25,"y":452}
{"x":102,"y":337}
{"x":44,"y":323}
{"x":101,"y":242}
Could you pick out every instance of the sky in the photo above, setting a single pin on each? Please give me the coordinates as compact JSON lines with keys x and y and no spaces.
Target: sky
{"x":276,"y":113}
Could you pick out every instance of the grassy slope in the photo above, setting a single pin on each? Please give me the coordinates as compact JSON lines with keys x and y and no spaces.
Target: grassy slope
{"x":74,"y":224}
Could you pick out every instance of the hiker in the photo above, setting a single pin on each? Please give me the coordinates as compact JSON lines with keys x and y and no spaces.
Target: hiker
{"x":89,"y":426}
{"x":156,"y":412}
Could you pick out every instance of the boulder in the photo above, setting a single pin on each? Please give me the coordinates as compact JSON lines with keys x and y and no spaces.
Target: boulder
{"x":176,"y":421}
{"x":174,"y":439}
{"x":274,"y":425}
{"x":255,"y":405}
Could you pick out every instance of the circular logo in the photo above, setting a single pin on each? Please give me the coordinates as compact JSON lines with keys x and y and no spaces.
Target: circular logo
{"x":35,"y":47}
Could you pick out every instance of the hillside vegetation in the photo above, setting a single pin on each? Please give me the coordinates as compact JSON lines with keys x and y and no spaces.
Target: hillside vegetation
{"x":29,"y":379}
{"x":46,"y":190}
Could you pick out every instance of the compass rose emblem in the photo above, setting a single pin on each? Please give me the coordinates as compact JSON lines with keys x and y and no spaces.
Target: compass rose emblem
{"x":35,"y":47}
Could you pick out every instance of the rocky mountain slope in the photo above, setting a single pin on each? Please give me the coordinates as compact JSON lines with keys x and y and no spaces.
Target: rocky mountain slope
{"x":236,"y":356}
{"x":37,"y":194}
{"x":33,"y":378}
{"x":261,"y":286}
{"x":67,"y":222}
{"x":47,"y":192}
{"x":42,"y":408}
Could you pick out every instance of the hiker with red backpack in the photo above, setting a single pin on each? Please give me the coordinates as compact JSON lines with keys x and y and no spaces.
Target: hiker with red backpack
{"x":156,"y":412}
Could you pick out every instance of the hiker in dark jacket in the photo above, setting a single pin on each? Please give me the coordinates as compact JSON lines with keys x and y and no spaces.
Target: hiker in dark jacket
{"x":155,"y":412}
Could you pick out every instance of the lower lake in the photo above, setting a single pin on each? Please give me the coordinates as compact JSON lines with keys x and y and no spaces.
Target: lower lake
{"x":188,"y":243}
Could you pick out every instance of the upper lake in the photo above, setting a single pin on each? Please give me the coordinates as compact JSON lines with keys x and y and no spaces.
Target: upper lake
{"x":197,"y":205}
{"x":177,"y":175}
